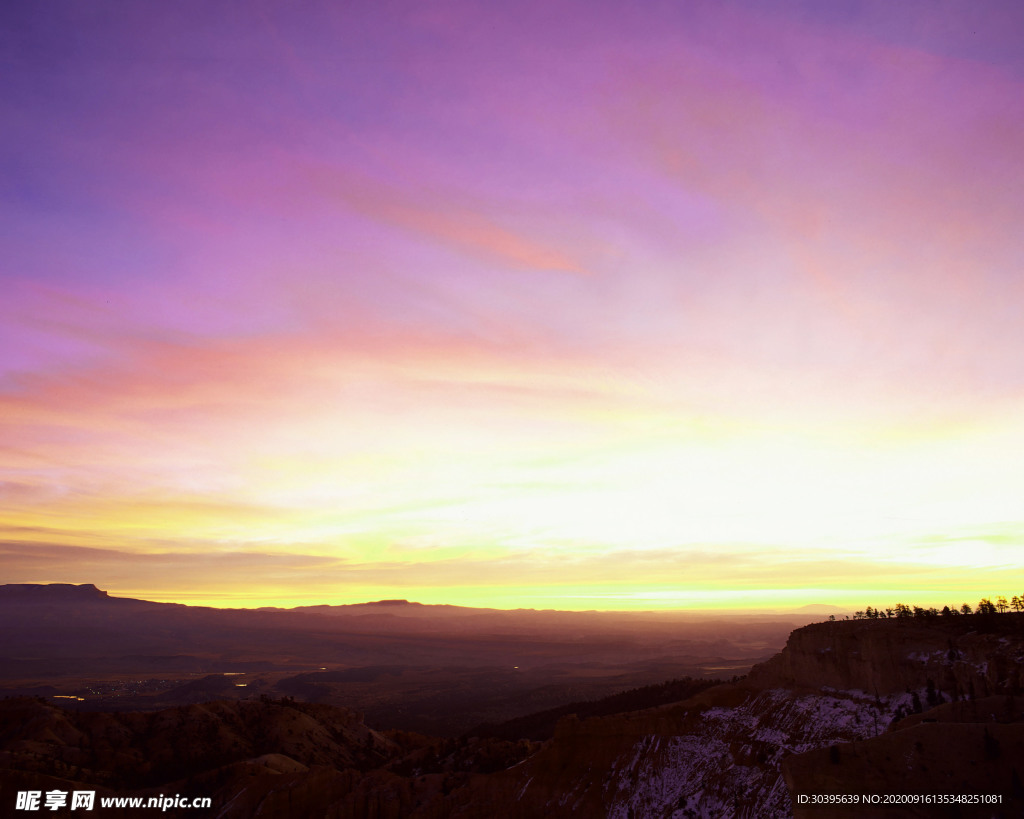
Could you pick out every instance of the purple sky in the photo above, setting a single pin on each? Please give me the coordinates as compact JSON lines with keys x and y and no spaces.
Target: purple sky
{"x":574,"y":305}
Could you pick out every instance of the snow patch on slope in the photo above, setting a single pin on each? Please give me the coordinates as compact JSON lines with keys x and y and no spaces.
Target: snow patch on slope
{"x":727,"y":762}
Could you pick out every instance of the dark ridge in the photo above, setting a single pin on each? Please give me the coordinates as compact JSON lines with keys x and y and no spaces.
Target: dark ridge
{"x":328,"y":607}
{"x":540,"y":726}
{"x":34,"y":592}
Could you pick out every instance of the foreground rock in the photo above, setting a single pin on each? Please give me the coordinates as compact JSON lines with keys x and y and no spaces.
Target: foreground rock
{"x":847,"y":707}
{"x":262,"y":758}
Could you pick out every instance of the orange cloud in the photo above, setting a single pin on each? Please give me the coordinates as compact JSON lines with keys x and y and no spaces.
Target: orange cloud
{"x":436,"y":217}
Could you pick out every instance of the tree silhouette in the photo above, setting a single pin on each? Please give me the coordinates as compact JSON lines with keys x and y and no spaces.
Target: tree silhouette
{"x":900,"y":610}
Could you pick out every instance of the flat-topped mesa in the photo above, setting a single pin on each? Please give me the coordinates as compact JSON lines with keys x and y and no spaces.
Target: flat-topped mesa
{"x":975,"y":654}
{"x":52,"y":592}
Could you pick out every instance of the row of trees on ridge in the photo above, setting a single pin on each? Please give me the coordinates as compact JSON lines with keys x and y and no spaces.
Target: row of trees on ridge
{"x":985,"y":606}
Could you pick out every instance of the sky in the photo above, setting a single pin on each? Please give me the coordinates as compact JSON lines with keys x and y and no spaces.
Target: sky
{"x":575,"y":305}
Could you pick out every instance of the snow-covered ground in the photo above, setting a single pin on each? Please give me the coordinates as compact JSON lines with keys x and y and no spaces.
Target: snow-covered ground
{"x":727,"y":762}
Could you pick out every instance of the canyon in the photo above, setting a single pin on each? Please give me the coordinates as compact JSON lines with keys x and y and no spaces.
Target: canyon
{"x":919,"y":709}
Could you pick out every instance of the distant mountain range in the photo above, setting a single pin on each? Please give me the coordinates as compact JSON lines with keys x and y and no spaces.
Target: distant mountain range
{"x":431,"y":668}
{"x":54,"y":628}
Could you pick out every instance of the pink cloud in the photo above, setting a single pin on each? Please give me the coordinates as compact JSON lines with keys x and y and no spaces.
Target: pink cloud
{"x":445,"y":221}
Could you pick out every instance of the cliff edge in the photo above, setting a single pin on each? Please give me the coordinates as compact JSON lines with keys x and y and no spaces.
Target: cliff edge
{"x":961,"y":655}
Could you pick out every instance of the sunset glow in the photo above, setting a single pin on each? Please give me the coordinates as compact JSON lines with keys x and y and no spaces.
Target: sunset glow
{"x":568,"y":305}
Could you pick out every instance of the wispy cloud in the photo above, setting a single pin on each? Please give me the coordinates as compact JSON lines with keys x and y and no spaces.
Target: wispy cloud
{"x":596,"y":299}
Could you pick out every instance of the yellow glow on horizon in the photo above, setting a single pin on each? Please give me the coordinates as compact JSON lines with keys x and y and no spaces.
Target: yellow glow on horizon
{"x":541,"y":501}
{"x":721,"y":600}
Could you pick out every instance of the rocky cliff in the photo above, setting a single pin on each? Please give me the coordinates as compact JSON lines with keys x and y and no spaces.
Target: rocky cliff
{"x":969,"y":754}
{"x":963,"y":740}
{"x":979,"y":653}
{"x":855,"y":691}
{"x":716,"y":755}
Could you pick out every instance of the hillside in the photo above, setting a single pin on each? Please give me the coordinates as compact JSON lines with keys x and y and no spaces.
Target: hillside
{"x":265,"y":758}
{"x":744,"y":750}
